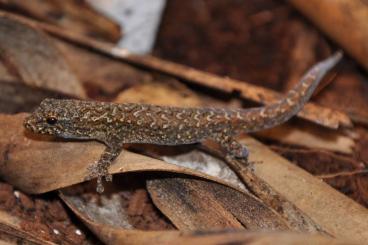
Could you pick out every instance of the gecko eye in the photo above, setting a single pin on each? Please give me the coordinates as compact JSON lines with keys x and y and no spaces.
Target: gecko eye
{"x":51,"y":120}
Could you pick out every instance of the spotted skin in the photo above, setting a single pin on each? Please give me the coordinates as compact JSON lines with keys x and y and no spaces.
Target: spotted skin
{"x":116,"y":124}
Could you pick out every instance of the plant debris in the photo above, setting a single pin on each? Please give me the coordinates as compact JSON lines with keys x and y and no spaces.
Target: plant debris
{"x":233,"y":54}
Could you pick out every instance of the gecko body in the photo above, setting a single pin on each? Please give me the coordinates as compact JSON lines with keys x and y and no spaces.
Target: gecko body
{"x":116,"y":124}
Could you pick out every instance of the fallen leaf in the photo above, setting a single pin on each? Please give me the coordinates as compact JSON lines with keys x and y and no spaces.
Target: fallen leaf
{"x":31,"y":55}
{"x":340,"y":15}
{"x":310,"y":136}
{"x":118,"y":234}
{"x":156,"y":93}
{"x":76,"y":16}
{"x":323,"y":204}
{"x":18,"y":97}
{"x":193,"y":204}
{"x":99,"y":71}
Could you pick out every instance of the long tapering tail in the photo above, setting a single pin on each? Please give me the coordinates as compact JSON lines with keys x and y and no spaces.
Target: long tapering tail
{"x":274,"y":114}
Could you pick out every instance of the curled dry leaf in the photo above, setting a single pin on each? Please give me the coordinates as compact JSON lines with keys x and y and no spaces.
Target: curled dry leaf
{"x":155,"y":92}
{"x":32,"y":57}
{"x":119,"y":233}
{"x":11,"y":226}
{"x":193,"y":204}
{"x":348,"y":93}
{"x":310,"y":136}
{"x":203,"y":162}
{"x":320,"y":202}
{"x":76,"y":16}
{"x":336,"y":17}
{"x":39,"y":164}
{"x":109,"y":76}
{"x":18,"y":97}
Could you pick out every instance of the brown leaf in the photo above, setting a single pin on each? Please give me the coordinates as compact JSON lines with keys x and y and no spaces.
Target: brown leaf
{"x":116,"y":234}
{"x":99,"y":71}
{"x":18,"y":97}
{"x":336,"y":16}
{"x":323,"y":204}
{"x":348,"y":93}
{"x":193,"y":204}
{"x":30,"y":55}
{"x":156,"y":93}
{"x":310,"y":136}
{"x":76,"y":16}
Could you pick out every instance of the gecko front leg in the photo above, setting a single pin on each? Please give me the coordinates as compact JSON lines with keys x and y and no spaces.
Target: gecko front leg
{"x":100,"y":168}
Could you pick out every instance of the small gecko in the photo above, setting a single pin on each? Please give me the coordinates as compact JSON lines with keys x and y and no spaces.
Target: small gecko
{"x":116,"y":124}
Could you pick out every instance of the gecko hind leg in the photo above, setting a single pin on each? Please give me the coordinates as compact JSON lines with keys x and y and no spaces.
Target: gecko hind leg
{"x":233,"y":149}
{"x":100,"y":168}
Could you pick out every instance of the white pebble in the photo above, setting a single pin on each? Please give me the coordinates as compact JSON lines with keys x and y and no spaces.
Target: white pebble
{"x":78,"y":232}
{"x":16,"y":194}
{"x":56,"y":231}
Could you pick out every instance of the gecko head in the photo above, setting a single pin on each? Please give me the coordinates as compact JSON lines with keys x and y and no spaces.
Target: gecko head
{"x":57,"y":117}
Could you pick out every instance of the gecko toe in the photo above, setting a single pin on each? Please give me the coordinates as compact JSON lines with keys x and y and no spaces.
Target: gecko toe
{"x":108,"y":177}
{"x":100,"y":188}
{"x":243,"y":153}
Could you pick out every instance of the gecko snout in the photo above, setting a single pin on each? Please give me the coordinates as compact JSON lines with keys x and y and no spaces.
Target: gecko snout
{"x":29,"y":123}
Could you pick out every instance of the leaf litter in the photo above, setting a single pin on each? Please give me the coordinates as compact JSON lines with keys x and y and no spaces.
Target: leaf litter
{"x":38,"y":164}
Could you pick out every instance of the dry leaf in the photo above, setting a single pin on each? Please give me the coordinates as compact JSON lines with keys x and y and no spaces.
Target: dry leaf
{"x":76,"y":16}
{"x":94,"y":69}
{"x":324,"y":205}
{"x":31,"y":55}
{"x":348,"y":93}
{"x":18,"y":97}
{"x":118,"y":234}
{"x":310,"y":136}
{"x":155,"y":92}
{"x":333,"y":17}
{"x":193,"y":204}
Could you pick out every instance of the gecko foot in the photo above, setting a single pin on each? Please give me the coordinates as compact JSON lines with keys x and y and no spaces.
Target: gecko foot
{"x":99,"y":171}
{"x":100,"y":168}
{"x":233,"y":149}
{"x":100,"y":188}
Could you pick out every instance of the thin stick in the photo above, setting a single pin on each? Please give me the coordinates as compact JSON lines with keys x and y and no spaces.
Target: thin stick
{"x":343,"y":173}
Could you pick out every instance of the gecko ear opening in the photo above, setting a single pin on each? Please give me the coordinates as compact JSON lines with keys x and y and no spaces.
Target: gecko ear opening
{"x":51,"y":120}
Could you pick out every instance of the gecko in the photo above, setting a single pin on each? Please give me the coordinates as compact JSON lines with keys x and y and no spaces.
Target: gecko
{"x":117,"y":124}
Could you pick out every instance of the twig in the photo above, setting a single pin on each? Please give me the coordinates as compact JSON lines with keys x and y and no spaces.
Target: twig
{"x":343,"y":173}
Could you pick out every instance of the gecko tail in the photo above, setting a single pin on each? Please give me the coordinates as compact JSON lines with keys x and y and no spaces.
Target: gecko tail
{"x":277,"y":113}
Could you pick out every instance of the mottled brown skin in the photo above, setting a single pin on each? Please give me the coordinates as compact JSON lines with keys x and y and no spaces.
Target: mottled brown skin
{"x":116,"y":124}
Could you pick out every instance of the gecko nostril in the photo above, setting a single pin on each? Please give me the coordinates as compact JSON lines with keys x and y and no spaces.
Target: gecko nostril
{"x":28,"y":123}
